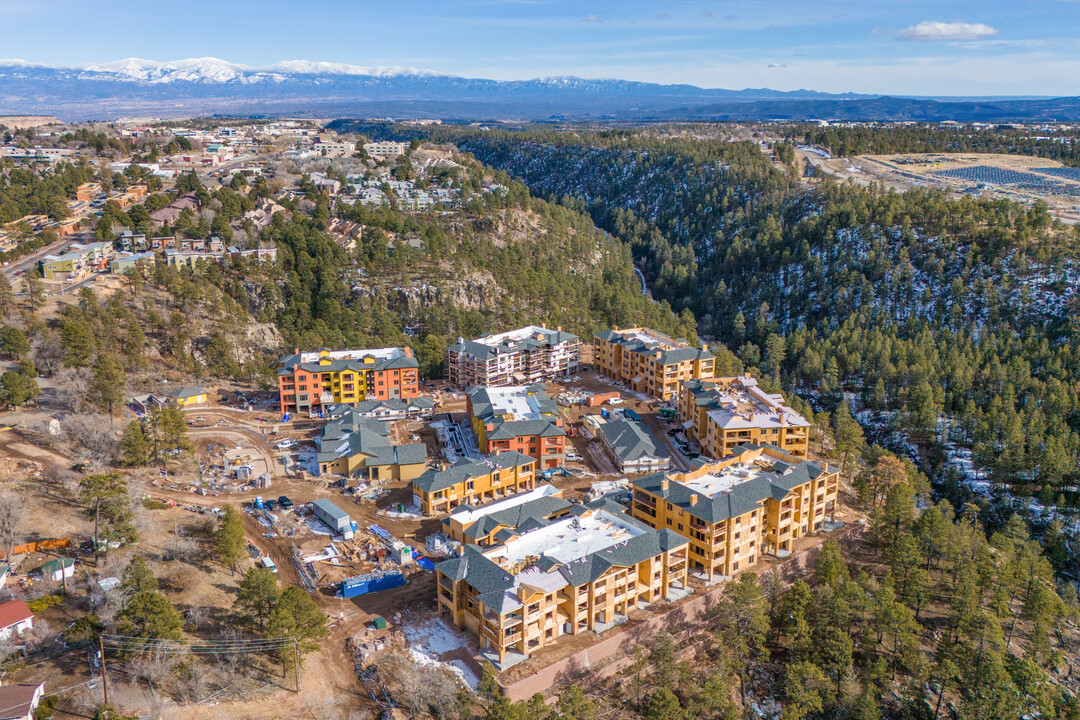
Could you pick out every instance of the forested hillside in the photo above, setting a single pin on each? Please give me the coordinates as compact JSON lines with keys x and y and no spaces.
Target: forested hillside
{"x":950,"y":322}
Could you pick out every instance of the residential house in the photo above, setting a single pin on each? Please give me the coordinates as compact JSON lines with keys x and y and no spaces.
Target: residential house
{"x":77,"y":261}
{"x":138,"y":262}
{"x":309,"y":381}
{"x":518,"y":357}
{"x":15,"y":619}
{"x":58,"y":569}
{"x":471,"y":482}
{"x":521,"y":418}
{"x":192,"y":395}
{"x":19,"y":702}
{"x":760,"y":500}
{"x":632,"y":446}
{"x":723,"y":413}
{"x":650,"y":362}
{"x":583,"y":573}
{"x":142,"y":404}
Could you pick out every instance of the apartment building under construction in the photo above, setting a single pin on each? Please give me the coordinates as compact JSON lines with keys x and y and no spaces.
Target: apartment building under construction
{"x":650,"y":362}
{"x":518,"y":357}
{"x":581,"y":573}
{"x":761,"y":500}
{"x":724,"y":413}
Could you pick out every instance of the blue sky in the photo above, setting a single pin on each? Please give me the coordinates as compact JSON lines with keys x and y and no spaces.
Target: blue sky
{"x":1008,"y":47}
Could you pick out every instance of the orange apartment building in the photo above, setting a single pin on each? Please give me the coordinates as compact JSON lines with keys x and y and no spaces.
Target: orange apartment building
{"x":581,"y":573}
{"x":307,"y":382}
{"x":521,"y":418}
{"x":759,"y":501}
{"x":723,"y":413}
{"x":650,"y":362}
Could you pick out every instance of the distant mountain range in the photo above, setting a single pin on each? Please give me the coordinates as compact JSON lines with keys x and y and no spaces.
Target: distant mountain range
{"x":204,"y":86}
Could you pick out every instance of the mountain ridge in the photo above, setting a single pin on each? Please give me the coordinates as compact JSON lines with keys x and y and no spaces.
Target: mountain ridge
{"x":208,"y":85}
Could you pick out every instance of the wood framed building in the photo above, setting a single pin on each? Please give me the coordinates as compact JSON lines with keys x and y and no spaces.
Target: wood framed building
{"x":758,"y":501}
{"x":724,"y":413}
{"x":650,"y":362}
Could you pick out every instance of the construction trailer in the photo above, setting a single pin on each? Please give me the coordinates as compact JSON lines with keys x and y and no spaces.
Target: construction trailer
{"x":330,"y":514}
{"x":374,"y":582}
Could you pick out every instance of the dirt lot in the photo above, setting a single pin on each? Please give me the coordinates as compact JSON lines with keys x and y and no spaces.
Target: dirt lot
{"x":904,"y":171}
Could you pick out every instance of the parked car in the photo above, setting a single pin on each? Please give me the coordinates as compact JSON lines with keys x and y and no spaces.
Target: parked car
{"x":285,"y":502}
{"x":285,"y":444}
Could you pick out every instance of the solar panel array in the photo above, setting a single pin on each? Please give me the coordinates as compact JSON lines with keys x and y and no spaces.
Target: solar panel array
{"x":1068,"y":173}
{"x":997,"y":176}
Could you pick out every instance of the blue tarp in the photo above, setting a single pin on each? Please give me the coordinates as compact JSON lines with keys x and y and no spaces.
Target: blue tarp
{"x":425,"y":563}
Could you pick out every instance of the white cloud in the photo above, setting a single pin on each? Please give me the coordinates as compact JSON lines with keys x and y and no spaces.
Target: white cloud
{"x":776,"y":65}
{"x":594,"y":19}
{"x":929,"y":31}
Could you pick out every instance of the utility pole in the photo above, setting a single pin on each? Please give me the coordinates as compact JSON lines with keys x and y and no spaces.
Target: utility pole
{"x":104,"y":674}
{"x":296,"y":655}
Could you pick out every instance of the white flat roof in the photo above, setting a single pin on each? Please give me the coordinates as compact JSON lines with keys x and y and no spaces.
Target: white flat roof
{"x":514,"y":400}
{"x":378,"y":354}
{"x":712,"y":485}
{"x":514,"y":335}
{"x":645,"y":335}
{"x":468,"y":517}
{"x":569,"y":539}
{"x":749,"y":406}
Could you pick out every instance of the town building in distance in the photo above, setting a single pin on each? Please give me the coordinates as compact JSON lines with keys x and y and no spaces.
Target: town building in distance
{"x":309,"y":381}
{"x":527,"y":355}
{"x":723,"y":413}
{"x":760,"y":500}
{"x":521,"y":418}
{"x":472,"y":482}
{"x":650,"y":362}
{"x":582,"y":573}
{"x":384,"y":149}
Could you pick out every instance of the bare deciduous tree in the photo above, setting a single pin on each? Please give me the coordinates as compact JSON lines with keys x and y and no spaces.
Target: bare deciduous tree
{"x":11,"y":520}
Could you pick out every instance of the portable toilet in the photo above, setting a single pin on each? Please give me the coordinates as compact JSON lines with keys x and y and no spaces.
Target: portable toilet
{"x":259,"y":503}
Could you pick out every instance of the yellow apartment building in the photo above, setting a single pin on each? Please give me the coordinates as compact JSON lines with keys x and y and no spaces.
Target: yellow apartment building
{"x":473,"y":482}
{"x":724,"y":413}
{"x":759,"y":501}
{"x":650,"y":362}
{"x":582,"y":573}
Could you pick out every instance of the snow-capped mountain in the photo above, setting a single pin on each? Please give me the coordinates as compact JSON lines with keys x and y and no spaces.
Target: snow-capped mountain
{"x":210,"y":85}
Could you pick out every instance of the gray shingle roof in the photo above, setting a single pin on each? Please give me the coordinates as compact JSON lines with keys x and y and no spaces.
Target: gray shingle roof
{"x":741,"y":498}
{"x":352,"y":435}
{"x":631,"y":440}
{"x":464,"y":469}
